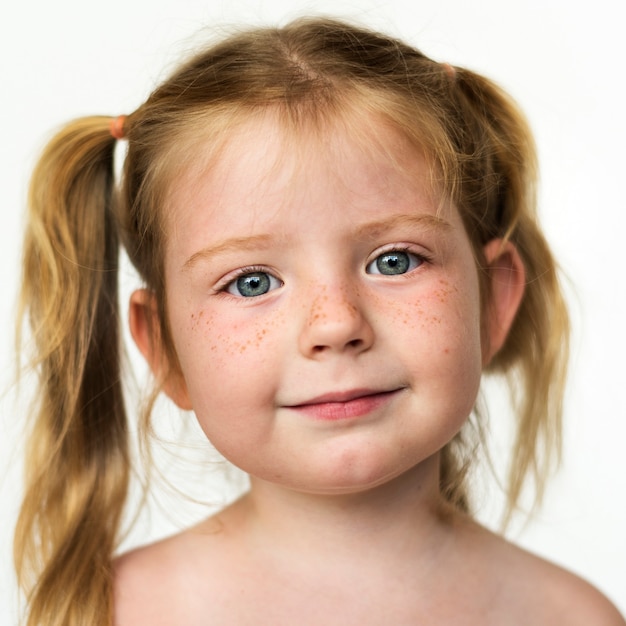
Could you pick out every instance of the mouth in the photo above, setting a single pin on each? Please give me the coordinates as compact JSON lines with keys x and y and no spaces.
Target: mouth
{"x":345,"y":405}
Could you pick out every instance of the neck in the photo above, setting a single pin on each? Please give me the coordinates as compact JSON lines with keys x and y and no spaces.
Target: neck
{"x":404,"y":514}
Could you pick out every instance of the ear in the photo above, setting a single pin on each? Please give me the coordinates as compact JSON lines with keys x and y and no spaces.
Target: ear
{"x":507,"y":279}
{"x":145,"y":328}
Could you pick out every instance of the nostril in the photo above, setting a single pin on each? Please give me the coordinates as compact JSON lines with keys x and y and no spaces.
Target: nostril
{"x":353,"y":343}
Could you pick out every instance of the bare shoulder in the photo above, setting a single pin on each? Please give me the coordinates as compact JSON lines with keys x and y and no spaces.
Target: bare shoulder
{"x":571,"y":599}
{"x":158,"y":584}
{"x":145,"y":580}
{"x":534,"y":590}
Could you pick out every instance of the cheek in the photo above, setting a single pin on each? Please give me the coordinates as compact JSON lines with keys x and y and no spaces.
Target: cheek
{"x":224,"y":339}
{"x":225,"y":358}
{"x":442,"y":327}
{"x":229,"y":366}
{"x":443,"y":318}
{"x":221,"y":340}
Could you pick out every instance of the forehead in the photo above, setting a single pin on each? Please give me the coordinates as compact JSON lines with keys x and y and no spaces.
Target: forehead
{"x":266,"y":161}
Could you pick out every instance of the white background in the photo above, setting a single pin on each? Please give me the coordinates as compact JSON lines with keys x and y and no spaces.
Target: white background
{"x":562,"y":60}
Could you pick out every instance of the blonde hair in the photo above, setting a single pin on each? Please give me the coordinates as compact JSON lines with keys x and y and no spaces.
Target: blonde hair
{"x":482,"y":158}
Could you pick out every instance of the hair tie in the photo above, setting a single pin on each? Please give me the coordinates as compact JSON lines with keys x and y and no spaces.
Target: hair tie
{"x":449,"y":70}
{"x":116,"y":127}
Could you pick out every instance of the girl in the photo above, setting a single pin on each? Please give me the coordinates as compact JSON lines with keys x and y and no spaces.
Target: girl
{"x":337,"y":236}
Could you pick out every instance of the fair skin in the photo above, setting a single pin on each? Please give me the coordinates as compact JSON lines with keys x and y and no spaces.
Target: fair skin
{"x":326,"y":317}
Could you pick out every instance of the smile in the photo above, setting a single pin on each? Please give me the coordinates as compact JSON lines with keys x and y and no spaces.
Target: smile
{"x":345,"y":405}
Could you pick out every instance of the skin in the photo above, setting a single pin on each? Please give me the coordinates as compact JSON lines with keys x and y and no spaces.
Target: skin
{"x":335,"y":390}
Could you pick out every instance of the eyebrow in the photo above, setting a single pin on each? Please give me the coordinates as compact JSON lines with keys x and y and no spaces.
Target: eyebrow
{"x":371,"y":230}
{"x":255,"y":242}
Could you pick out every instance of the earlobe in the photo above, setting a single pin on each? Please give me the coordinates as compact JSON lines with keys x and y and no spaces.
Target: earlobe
{"x":145,"y":329}
{"x":507,"y":278}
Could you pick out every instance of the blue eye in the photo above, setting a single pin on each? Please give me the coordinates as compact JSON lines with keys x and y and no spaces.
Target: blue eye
{"x":253,"y":284}
{"x":393,"y":263}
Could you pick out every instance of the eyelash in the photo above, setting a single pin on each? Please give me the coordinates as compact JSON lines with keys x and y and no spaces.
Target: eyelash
{"x":223,"y":287}
{"x":420,"y":256}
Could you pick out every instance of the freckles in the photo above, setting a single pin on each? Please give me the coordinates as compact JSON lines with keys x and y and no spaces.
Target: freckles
{"x":239,"y":339}
{"x":199,"y":322}
{"x":440,"y":298}
{"x":316,"y":314}
{"x":196,"y":319}
{"x":253,"y":342}
{"x":348,"y":303}
{"x":443,"y":293}
{"x":427,"y":313}
{"x":396,"y":312}
{"x":423,"y":317}
{"x":318,"y":311}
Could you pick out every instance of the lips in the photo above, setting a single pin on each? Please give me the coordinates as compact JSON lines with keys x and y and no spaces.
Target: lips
{"x":345,"y":405}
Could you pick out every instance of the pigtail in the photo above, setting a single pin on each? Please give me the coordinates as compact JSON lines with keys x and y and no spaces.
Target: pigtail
{"x":500,"y":179}
{"x":77,"y":462}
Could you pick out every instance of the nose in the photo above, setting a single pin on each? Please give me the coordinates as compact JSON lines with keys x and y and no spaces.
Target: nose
{"x":335,"y":323}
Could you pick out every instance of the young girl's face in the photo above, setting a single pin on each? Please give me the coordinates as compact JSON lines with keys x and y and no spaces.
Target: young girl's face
{"x":324,"y":307}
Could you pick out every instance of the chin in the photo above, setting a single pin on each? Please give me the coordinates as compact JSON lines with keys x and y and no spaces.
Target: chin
{"x":355,"y":478}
